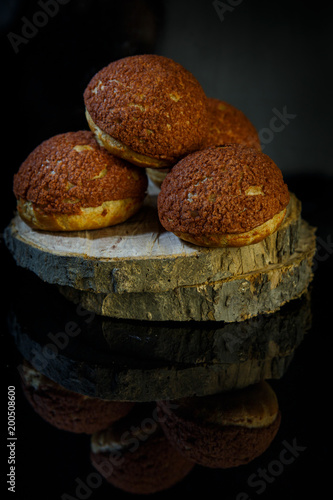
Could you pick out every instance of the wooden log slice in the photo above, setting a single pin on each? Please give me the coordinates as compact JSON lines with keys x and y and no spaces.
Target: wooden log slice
{"x":141,"y":361}
{"x":140,"y":256}
{"x":234,"y":298}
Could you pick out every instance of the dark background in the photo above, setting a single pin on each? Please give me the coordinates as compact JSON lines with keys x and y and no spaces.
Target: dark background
{"x":262,"y":56}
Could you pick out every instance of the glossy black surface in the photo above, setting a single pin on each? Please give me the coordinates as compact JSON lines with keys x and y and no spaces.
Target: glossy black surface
{"x":147,"y":361}
{"x":303,"y":392}
{"x":43,"y":88}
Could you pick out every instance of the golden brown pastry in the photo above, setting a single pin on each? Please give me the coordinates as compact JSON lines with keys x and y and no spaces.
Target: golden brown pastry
{"x":222,"y":196}
{"x":70,"y":183}
{"x":227,"y":125}
{"x":147,"y":109}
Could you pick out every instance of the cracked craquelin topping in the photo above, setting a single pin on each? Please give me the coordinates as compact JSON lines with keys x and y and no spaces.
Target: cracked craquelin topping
{"x":151,"y":104}
{"x":220,"y":190}
{"x":228,"y":124}
{"x":70,"y":171}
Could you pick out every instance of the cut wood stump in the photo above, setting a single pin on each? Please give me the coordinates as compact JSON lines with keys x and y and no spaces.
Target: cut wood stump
{"x":231,"y":299}
{"x":138,"y":270}
{"x":140,"y":256}
{"x":146,"y":361}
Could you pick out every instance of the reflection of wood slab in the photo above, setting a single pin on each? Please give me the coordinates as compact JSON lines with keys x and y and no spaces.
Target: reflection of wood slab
{"x":140,"y":256}
{"x":230,"y":299}
{"x":145,"y":361}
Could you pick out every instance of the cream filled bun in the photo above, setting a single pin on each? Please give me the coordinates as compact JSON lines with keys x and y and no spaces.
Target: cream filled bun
{"x":147,"y":109}
{"x":229,"y":195}
{"x":70,"y":183}
{"x":228,"y":124}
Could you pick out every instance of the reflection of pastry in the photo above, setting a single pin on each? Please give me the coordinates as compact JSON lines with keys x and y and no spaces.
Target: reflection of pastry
{"x":147,"y":109}
{"x":228,"y":195}
{"x":225,"y":430}
{"x":69,"y":182}
{"x":135,"y":456}
{"x":68,"y":410}
{"x":228,"y":124}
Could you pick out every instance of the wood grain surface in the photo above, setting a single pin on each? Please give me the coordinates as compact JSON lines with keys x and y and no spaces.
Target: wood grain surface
{"x":140,"y":256}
